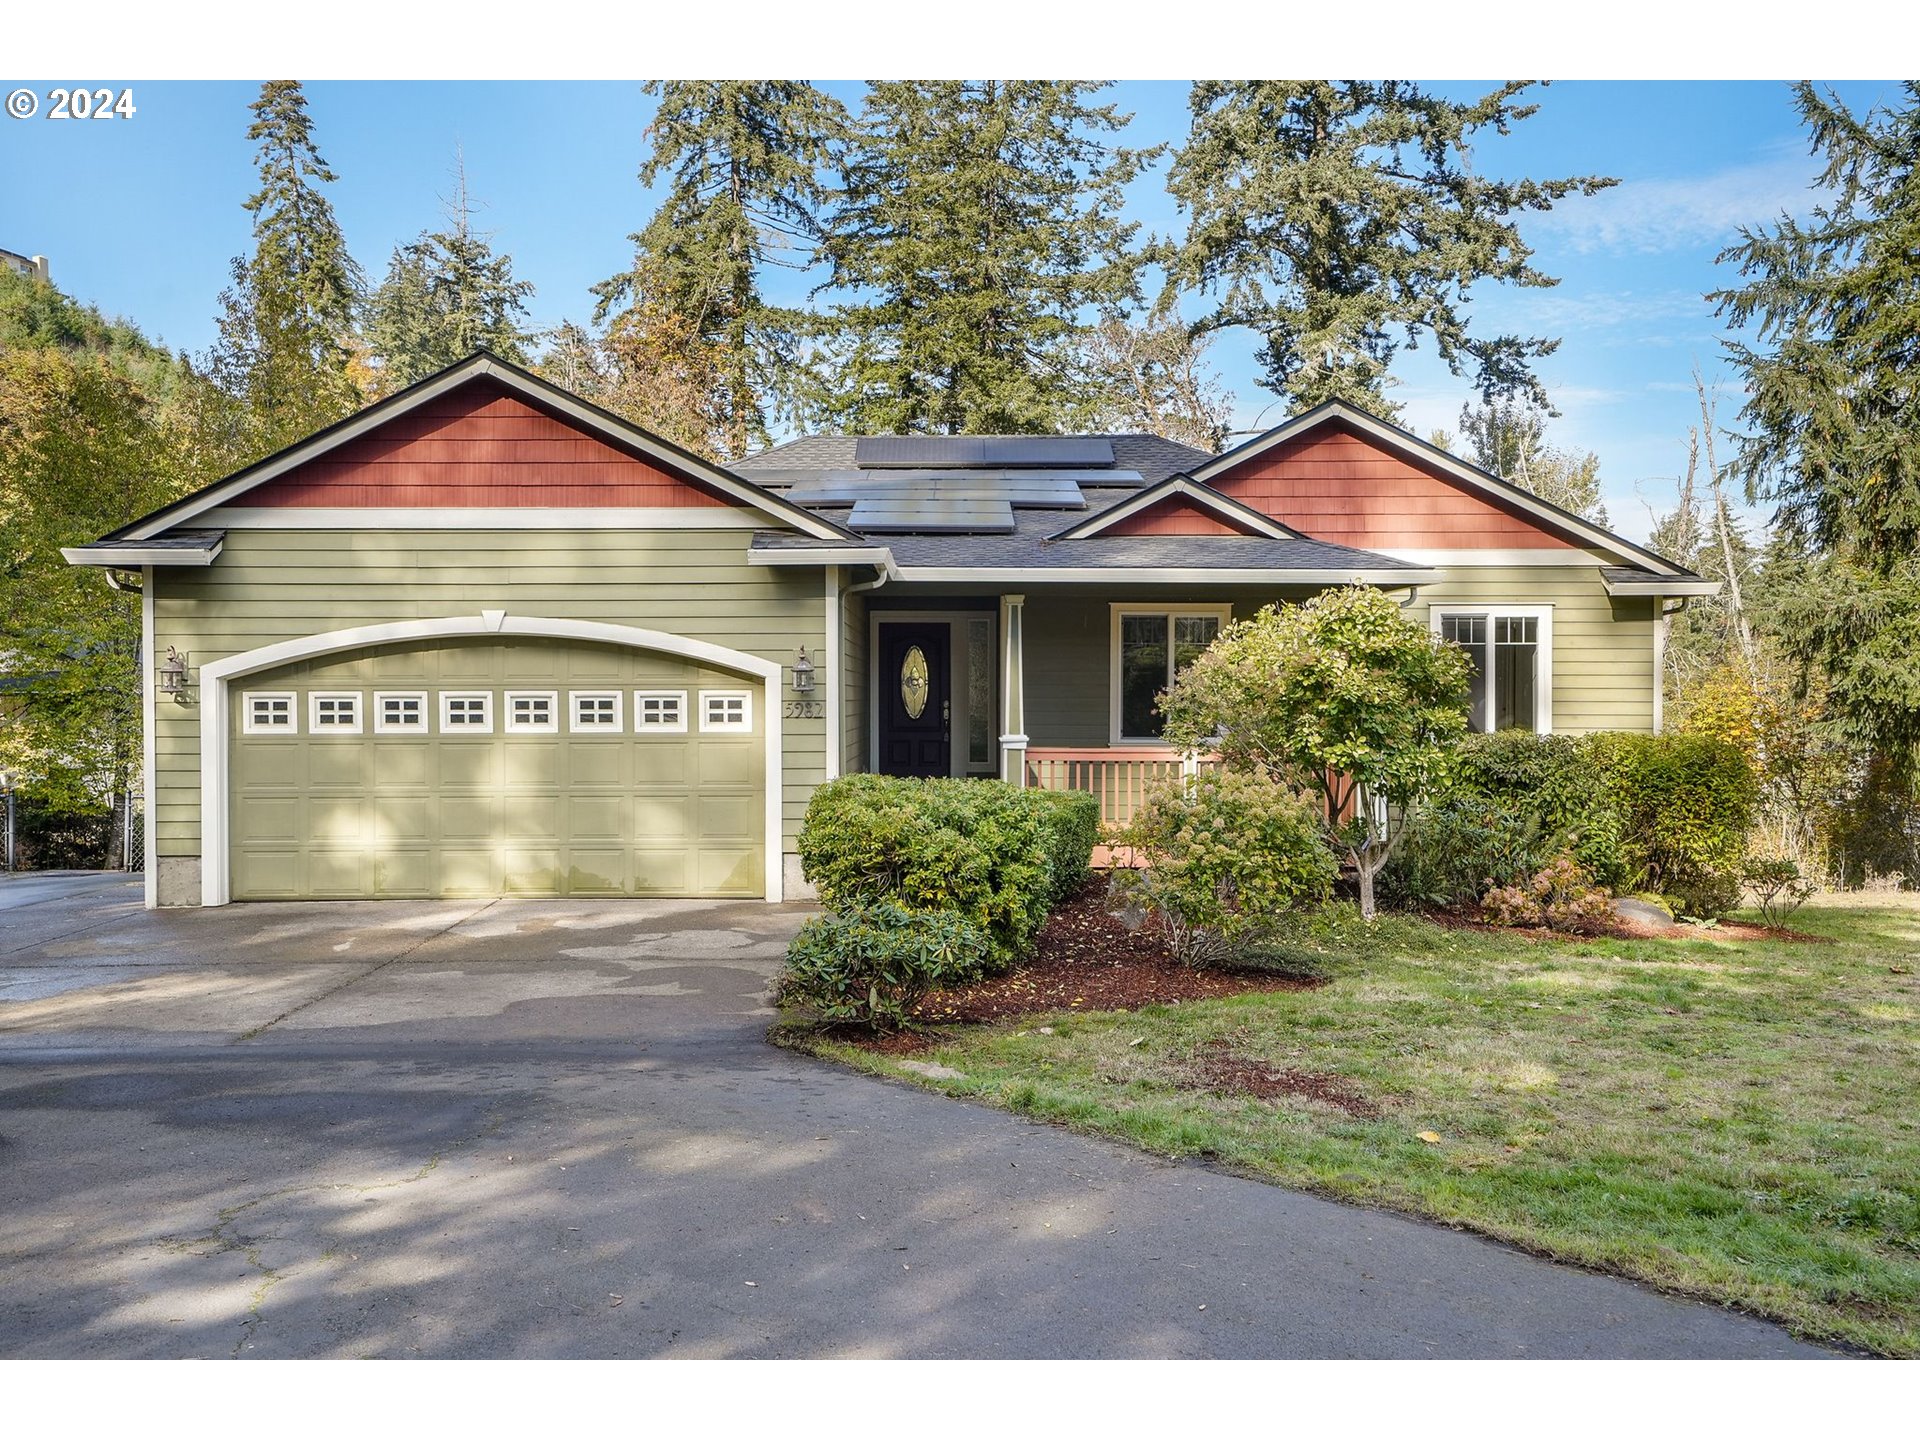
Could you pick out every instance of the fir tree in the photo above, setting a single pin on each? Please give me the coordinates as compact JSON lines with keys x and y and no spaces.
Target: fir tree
{"x":1832,"y":432}
{"x":287,"y":319}
{"x":446,"y":295}
{"x":977,"y":232}
{"x":743,"y":160}
{"x":1337,"y":219}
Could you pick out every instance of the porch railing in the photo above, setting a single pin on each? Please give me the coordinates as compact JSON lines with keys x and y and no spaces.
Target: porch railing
{"x":1120,"y":778}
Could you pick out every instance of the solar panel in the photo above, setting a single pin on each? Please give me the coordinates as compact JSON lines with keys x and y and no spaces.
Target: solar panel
{"x":950,"y":452}
{"x":926,"y":517}
{"x":1034,"y":490}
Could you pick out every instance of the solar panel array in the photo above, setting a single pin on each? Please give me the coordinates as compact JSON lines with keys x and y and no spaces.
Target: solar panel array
{"x":1037,"y":490}
{"x":967,"y":452}
{"x":927,"y":516}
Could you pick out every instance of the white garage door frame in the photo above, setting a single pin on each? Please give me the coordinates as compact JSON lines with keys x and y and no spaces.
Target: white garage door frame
{"x":217,"y":675}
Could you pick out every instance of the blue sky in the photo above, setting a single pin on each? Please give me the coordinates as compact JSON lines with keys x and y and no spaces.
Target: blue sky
{"x":142,"y":216}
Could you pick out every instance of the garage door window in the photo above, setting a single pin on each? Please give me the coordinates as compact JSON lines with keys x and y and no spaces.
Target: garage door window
{"x":532,"y":712}
{"x":270,"y":715}
{"x":722,"y":710}
{"x":466,"y":714}
{"x":399,"y":714}
{"x":596,"y":710}
{"x":660,"y":710}
{"x":335,"y":712}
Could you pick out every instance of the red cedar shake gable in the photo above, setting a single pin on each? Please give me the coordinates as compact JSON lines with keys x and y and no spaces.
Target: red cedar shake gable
{"x":1177,"y":515}
{"x":480,"y":447}
{"x":1336,"y":485}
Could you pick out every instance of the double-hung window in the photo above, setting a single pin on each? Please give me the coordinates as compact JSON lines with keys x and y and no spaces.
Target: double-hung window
{"x":1511,"y":650}
{"x":1151,"y":645}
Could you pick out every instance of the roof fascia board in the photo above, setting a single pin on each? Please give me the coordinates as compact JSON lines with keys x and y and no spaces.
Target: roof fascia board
{"x":1395,"y":438}
{"x":822,"y":555}
{"x":1122,"y":575}
{"x":122,"y":557}
{"x":1179,"y":486}
{"x":591,"y":418}
{"x":1661,"y":588}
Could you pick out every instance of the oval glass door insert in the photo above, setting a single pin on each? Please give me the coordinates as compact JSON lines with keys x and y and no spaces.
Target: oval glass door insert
{"x":913,"y":682}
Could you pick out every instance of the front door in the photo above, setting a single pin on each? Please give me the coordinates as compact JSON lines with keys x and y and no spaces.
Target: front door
{"x":916,"y":707}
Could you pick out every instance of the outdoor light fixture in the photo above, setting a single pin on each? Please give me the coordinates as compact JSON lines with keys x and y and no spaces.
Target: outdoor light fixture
{"x":173,"y":674}
{"x":803,"y":674}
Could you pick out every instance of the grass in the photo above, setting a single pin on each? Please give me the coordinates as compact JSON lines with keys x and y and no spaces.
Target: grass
{"x":1735,"y":1121}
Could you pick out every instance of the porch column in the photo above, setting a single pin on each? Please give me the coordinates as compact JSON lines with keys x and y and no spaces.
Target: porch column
{"x":1013,"y":697}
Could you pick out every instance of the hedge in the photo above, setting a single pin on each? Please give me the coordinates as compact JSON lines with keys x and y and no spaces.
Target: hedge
{"x":998,"y":856}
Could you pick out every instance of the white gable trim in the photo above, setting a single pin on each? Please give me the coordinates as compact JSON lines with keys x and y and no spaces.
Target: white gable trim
{"x":502,"y":517}
{"x":217,"y":675}
{"x":1225,"y":507}
{"x":536,"y":391}
{"x":1412,"y":446}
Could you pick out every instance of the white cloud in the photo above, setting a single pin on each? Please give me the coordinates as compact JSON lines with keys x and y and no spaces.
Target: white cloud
{"x":1653,"y":215}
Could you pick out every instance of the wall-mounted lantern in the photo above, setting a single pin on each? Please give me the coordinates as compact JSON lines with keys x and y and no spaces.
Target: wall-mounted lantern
{"x":803,"y":674}
{"x":172,"y":675}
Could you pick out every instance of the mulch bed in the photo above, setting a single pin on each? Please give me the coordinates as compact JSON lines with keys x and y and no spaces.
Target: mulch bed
{"x":1087,"y":960}
{"x":1221,"y":1069}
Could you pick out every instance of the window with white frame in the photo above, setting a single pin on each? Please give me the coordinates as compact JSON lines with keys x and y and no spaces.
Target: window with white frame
{"x":660,"y":710}
{"x":466,"y":712}
{"x":722,"y":710}
{"x":270,"y":714}
{"x":333,"y":712}
{"x":399,"y":714}
{"x":1151,"y":645}
{"x":533,"y":712}
{"x":1511,"y":650}
{"x":595,"y":709}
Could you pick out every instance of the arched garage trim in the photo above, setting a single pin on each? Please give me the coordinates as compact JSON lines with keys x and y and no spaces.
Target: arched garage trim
{"x":217,"y":675}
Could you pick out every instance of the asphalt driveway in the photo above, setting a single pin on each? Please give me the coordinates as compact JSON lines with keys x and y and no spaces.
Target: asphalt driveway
{"x":554,"y":1129}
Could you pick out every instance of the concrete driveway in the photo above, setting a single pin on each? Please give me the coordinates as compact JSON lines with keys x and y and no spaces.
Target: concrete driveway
{"x":554,"y":1129}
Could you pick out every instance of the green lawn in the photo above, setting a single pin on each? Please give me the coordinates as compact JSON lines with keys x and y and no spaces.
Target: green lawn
{"x":1738,"y":1121}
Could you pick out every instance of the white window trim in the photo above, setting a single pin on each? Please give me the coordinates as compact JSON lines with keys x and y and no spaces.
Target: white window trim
{"x":380,"y":723}
{"x":516,"y":727}
{"x":1543,"y":656}
{"x":644,"y":726}
{"x":447,"y":727}
{"x":742,"y":726}
{"x":247,"y":725}
{"x":315,"y":729}
{"x":1222,"y":612}
{"x":574,"y":697}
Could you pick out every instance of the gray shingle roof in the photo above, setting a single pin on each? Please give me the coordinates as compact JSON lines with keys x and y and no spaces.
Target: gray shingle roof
{"x":1155,"y":458}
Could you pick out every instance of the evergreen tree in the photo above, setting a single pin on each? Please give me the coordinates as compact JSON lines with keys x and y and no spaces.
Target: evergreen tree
{"x":743,"y":160}
{"x":1508,"y":438}
{"x":976,"y":227}
{"x":1334,"y":218}
{"x":446,"y":295}
{"x":1832,"y":432}
{"x":287,"y":319}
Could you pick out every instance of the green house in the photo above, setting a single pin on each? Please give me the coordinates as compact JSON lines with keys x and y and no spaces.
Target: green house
{"x":484,"y":638}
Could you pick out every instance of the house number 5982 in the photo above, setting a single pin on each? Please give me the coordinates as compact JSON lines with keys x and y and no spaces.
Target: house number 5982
{"x":806,"y":710}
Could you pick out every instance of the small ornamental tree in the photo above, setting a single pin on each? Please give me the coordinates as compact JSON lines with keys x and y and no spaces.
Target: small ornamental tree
{"x":1342,"y":696}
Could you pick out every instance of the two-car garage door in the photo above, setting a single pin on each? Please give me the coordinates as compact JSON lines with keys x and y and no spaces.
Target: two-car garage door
{"x":497,"y":767}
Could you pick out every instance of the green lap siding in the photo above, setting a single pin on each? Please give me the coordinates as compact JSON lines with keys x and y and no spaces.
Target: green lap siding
{"x":275,"y":585}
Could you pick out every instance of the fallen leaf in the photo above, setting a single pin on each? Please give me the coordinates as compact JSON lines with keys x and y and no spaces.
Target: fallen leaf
{"x":1428,"y":1136}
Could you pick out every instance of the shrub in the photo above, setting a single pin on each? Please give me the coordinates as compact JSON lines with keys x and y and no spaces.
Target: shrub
{"x":1556,"y":781}
{"x":1561,"y":896}
{"x":1073,"y":822}
{"x":1778,"y":888}
{"x":981,"y":849}
{"x":1228,"y":853}
{"x":869,"y":966}
{"x":1453,"y":850}
{"x":1686,"y":803}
